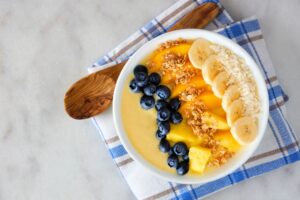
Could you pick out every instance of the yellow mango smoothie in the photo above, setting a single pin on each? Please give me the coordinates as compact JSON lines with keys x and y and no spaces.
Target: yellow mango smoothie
{"x":184,"y":111}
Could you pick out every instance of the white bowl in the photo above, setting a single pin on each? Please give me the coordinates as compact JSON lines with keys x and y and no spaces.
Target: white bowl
{"x":240,"y":157}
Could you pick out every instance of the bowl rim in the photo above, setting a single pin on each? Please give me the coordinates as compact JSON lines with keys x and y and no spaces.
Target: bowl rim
{"x":190,"y":34}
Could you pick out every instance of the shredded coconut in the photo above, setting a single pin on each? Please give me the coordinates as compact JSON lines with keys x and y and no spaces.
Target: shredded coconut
{"x":241,"y":76}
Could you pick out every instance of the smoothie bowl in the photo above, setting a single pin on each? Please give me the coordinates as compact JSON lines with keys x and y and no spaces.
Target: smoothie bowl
{"x":191,"y":106}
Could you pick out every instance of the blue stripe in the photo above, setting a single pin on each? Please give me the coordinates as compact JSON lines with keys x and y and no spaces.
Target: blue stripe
{"x":238,"y":176}
{"x":281,"y":128}
{"x":245,"y":171}
{"x":275,"y":92}
{"x":223,"y":32}
{"x":276,"y":137}
{"x":208,"y":188}
{"x":266,"y":167}
{"x":252,"y":25}
{"x":212,"y":186}
{"x":247,"y":47}
{"x":184,"y":193}
{"x":236,"y":32}
{"x":222,"y":19}
{"x":194,"y":192}
{"x":292,"y":133}
{"x":117,"y":151}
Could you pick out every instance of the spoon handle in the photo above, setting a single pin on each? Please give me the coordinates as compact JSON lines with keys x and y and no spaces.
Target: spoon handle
{"x":198,"y":18}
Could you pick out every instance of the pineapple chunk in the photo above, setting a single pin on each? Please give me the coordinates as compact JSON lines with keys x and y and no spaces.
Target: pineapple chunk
{"x":215,"y":121}
{"x":199,"y":157}
{"x":183,"y":133}
{"x":226,"y":140}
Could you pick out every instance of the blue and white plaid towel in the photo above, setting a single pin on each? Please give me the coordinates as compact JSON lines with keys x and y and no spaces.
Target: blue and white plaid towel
{"x":279,"y":146}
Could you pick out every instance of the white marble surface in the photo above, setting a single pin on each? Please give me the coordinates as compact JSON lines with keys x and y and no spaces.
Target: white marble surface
{"x":45,"y":46}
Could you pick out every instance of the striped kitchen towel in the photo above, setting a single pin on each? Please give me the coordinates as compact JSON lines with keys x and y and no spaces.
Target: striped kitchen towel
{"x":279,"y":146}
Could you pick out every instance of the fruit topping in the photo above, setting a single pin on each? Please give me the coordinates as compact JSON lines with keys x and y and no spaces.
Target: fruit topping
{"x":160,"y":103}
{"x":163,"y":114}
{"x":199,"y":51}
{"x":175,"y":103}
{"x":164,"y":145}
{"x":140,"y":68}
{"x":154,"y":78}
{"x":220,"y":84}
{"x":183,"y":133}
{"x":180,"y":149}
{"x":231,"y":94}
{"x":182,"y":168}
{"x":244,"y":130}
{"x":164,"y":127}
{"x":159,"y":135}
{"x":176,"y":117}
{"x":211,"y":68}
{"x":173,"y":161}
{"x":141,"y":79}
{"x":163,"y":92}
{"x":147,"y":102}
{"x":186,"y":157}
{"x":199,"y":157}
{"x":150,"y":89}
{"x":235,"y":111}
{"x":134,"y":87}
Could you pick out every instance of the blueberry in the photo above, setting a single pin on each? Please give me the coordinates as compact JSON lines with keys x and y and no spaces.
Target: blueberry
{"x":180,"y":149}
{"x":175,"y":103}
{"x":186,"y":157}
{"x":141,"y":79}
{"x":171,"y":151}
{"x":160,"y":103}
{"x":176,"y":117}
{"x":150,"y":89}
{"x":159,"y":135}
{"x":154,"y":78}
{"x":164,"y":145}
{"x":163,"y":92}
{"x":173,"y":161}
{"x":164,"y":127}
{"x":182,"y":168}
{"x":163,"y":114}
{"x":134,"y":87}
{"x":140,"y":68}
{"x":157,"y":121}
{"x":147,"y":102}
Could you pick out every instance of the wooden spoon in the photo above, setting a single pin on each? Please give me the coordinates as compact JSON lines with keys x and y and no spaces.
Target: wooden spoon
{"x":93,"y":94}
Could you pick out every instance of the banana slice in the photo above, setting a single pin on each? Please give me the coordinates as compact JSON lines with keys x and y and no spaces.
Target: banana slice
{"x":232,"y":93}
{"x":199,"y":52}
{"x":219,"y":84}
{"x":244,"y":130}
{"x":235,"y":111}
{"x":211,"y":67}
